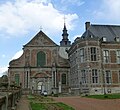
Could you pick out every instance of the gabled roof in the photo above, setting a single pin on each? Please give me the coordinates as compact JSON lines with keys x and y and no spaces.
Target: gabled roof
{"x":107,"y":31}
{"x":41,"y":39}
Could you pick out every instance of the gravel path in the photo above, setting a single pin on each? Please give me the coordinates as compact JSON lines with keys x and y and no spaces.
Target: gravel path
{"x":23,"y":104}
{"x":90,"y":104}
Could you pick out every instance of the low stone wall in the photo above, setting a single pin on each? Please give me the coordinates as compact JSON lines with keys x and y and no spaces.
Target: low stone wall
{"x":9,"y":99}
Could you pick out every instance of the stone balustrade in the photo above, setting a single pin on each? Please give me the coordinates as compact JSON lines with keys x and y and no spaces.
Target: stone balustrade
{"x":9,"y":99}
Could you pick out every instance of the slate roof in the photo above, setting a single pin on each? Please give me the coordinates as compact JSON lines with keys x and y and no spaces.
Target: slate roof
{"x":100,"y":31}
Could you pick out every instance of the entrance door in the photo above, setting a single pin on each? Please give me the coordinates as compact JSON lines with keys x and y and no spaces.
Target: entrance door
{"x":40,"y":87}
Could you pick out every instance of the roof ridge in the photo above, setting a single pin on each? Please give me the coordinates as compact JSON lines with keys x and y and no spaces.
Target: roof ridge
{"x":105,"y":25}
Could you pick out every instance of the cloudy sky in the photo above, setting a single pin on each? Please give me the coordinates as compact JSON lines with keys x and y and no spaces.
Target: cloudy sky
{"x":20,"y":20}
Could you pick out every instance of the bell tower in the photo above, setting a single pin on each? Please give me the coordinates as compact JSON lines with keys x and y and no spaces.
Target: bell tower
{"x":65,"y":41}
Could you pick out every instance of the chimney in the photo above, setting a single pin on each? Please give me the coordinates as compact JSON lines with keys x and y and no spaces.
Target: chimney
{"x":87,"y":25}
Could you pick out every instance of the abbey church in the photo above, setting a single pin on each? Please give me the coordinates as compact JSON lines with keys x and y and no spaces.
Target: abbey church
{"x":90,"y":65}
{"x":43,"y":65}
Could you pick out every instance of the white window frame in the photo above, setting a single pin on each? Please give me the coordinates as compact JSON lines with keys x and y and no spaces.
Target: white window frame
{"x":108,"y":77}
{"x":95,"y":78}
{"x":93,"y":52}
{"x":82,"y":55}
{"x":106,"y":56}
{"x":119,"y":76}
{"x":118,"y":56}
{"x":83,"y":77}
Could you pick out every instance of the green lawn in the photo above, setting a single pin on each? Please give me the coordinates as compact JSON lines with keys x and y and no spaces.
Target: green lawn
{"x":107,"y":96}
{"x":46,"y":103}
{"x":43,"y":106}
{"x":64,"y":106}
{"x":37,"y":106}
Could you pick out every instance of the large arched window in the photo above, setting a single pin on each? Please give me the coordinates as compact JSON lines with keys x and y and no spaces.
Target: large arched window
{"x":63,"y":78}
{"x":41,"y":58}
{"x":17,"y":79}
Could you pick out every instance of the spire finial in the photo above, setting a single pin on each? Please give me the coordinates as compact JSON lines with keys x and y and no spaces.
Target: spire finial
{"x":40,"y":28}
{"x":64,"y":23}
{"x":64,"y":19}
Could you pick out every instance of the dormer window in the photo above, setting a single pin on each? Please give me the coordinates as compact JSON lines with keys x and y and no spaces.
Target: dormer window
{"x":104,"y":39}
{"x":91,"y":36}
{"x":117,"y":39}
{"x":78,"y":38}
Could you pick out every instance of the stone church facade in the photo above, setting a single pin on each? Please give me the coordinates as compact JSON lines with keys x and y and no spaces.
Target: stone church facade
{"x":90,"y":65}
{"x":43,"y":65}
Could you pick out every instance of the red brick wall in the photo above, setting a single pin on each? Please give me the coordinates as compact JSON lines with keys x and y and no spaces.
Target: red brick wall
{"x":114,"y":77}
{"x":113,"y":56}
{"x":34,"y":56}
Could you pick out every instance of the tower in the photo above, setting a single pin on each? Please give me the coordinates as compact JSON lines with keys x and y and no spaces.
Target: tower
{"x":65,"y":41}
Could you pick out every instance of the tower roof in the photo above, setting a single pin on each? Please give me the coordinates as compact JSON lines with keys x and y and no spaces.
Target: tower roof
{"x":110,"y":32}
{"x":65,"y":41}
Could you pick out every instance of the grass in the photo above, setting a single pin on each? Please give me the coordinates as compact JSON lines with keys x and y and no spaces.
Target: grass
{"x":37,"y":106}
{"x":46,"y":103}
{"x":64,"y":106}
{"x":30,"y":97}
{"x":43,"y":106}
{"x":106,"y":96}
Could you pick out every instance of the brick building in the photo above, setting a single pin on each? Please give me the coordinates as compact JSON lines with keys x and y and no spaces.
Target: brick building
{"x":95,"y":60}
{"x":43,"y":65}
{"x":91,"y":65}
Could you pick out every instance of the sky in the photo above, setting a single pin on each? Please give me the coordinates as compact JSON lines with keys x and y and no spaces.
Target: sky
{"x":21,"y":20}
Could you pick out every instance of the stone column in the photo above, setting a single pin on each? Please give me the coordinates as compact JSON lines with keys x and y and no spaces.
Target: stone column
{"x":59,"y":87}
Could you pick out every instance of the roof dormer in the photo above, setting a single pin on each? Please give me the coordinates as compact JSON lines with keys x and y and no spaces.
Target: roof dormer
{"x":104,"y":39}
{"x":117,"y":39}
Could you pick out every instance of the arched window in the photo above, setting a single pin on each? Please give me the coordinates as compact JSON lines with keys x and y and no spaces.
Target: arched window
{"x":41,"y":59}
{"x":63,"y":78}
{"x":17,"y":79}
